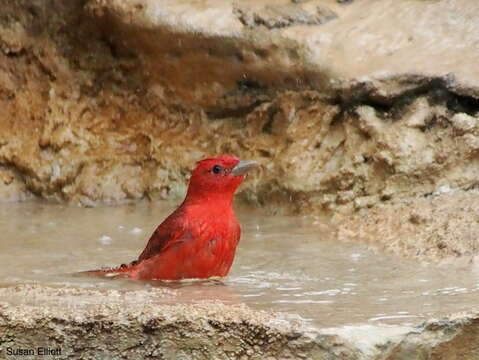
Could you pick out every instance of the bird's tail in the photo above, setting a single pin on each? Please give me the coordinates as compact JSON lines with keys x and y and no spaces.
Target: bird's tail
{"x":122,"y":270}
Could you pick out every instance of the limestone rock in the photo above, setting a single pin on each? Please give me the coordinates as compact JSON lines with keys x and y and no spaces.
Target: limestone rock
{"x":464,"y":123}
{"x":209,"y":330}
{"x":114,"y":101}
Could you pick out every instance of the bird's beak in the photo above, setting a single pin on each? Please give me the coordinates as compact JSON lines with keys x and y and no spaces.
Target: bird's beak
{"x":244,"y":166}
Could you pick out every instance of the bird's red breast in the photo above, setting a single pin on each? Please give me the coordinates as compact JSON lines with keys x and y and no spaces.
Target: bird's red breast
{"x":199,"y":239}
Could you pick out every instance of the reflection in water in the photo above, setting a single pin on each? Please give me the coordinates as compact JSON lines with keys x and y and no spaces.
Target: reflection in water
{"x":283,"y":263}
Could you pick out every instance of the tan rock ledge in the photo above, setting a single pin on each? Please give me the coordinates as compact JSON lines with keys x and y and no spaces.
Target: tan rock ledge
{"x":94,"y":324}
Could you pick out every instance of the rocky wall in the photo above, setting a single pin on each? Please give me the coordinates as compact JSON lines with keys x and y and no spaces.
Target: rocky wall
{"x":346,"y":104}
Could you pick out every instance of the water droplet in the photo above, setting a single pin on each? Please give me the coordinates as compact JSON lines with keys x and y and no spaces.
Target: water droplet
{"x":105,"y":240}
{"x":136,"y":231}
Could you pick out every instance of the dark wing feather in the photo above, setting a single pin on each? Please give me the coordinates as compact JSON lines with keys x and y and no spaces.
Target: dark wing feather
{"x":173,"y":231}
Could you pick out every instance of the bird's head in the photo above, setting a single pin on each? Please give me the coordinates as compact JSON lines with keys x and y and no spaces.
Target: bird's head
{"x":220,"y":175}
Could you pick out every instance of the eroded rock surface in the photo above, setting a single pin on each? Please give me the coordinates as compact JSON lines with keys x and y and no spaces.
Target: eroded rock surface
{"x":442,"y":226}
{"x":112,"y":101}
{"x":117,"y":325}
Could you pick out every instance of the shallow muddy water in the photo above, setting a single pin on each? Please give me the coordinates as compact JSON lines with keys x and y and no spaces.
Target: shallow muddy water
{"x":288,"y":264}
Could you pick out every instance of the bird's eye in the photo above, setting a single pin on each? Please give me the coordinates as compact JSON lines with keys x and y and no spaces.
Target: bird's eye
{"x":216,"y":169}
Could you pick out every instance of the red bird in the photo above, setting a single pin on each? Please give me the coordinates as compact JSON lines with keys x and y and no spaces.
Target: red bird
{"x":199,"y":239}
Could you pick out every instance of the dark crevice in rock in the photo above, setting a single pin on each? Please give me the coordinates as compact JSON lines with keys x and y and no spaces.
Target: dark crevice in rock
{"x":249,"y":85}
{"x":460,"y":103}
{"x":437,"y":91}
{"x":268,"y":126}
{"x":337,"y":119}
{"x":114,"y":50}
{"x":13,"y":54}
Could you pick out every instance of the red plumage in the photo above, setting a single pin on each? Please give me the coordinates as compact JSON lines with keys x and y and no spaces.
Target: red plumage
{"x":199,"y":239}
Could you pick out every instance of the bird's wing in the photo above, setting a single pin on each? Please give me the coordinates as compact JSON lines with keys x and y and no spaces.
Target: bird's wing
{"x":173,"y":231}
